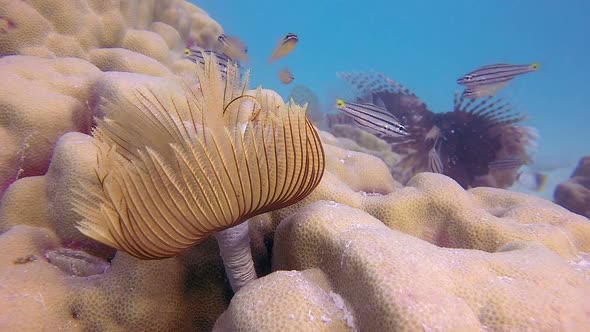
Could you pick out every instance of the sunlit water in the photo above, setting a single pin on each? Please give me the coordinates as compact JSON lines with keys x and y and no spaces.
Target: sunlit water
{"x":427,"y":45}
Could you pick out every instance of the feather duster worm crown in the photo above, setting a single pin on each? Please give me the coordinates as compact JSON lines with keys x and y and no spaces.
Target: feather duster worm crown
{"x":174,"y":170}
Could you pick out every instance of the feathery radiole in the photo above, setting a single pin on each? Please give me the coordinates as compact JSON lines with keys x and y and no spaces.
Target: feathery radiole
{"x":173,"y":170}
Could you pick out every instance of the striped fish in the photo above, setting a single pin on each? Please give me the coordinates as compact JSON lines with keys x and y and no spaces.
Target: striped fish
{"x":195,"y":54}
{"x":488,"y":80}
{"x":493,"y":74}
{"x":373,"y":117}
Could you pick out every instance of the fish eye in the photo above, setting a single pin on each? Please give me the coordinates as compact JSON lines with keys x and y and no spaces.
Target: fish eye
{"x":187,"y":51}
{"x":468,"y":77}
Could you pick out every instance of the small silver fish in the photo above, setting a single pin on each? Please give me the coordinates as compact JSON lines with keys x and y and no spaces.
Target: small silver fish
{"x":373,"y":117}
{"x":488,"y":80}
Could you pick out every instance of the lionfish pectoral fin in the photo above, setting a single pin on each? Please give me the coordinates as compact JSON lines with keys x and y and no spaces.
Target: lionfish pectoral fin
{"x":435,"y":164}
{"x":375,"y":100}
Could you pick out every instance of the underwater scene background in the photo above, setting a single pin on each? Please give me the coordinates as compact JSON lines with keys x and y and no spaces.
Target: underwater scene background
{"x":149,"y":181}
{"x":426,"y":46}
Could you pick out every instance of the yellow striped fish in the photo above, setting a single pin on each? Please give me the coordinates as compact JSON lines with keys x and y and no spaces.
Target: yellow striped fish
{"x":195,"y":54}
{"x":373,"y":117}
{"x":488,"y":80}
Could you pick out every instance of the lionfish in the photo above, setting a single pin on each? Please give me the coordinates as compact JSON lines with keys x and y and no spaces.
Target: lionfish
{"x":477,"y":143}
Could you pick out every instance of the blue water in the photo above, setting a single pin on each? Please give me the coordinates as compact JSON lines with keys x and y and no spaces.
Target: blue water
{"x":427,"y":45}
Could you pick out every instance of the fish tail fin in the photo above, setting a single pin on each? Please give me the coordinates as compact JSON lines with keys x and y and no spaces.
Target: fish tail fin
{"x":534,"y":181}
{"x":541,"y":180}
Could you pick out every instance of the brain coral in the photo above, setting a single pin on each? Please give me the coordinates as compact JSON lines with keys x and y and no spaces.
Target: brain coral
{"x":355,"y":139}
{"x":68,"y":29}
{"x":354,"y":271}
{"x":520,"y":258}
{"x":29,"y":127}
{"x":78,"y":41}
{"x":185,"y":293}
{"x":435,"y":209}
{"x":128,"y":294}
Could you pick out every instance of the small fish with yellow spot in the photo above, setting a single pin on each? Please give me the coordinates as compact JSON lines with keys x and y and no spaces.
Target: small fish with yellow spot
{"x":373,"y":117}
{"x":488,"y":80}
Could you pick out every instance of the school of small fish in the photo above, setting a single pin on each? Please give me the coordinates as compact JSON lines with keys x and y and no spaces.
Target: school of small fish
{"x":285,"y":46}
{"x":482,"y":82}
{"x":233,"y":49}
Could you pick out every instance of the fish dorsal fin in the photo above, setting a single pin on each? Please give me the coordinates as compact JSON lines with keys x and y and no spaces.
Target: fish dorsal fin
{"x":375,"y":100}
{"x":494,"y":65}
